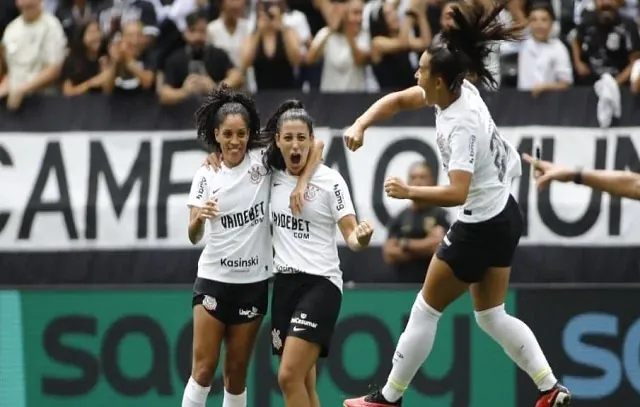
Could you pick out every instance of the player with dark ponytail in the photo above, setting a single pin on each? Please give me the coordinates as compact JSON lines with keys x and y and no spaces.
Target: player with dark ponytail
{"x":230,"y":294}
{"x":477,"y":251}
{"x":307,"y":291}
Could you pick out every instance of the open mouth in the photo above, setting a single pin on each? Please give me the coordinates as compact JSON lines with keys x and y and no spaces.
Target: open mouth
{"x":295,"y":158}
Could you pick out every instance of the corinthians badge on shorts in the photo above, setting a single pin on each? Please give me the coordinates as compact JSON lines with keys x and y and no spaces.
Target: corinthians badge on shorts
{"x":209,"y":303}
{"x":275,"y":339}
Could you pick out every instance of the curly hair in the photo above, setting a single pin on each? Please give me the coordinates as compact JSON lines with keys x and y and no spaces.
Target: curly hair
{"x":217,"y":106}
{"x":289,"y":110}
{"x":466,"y":44}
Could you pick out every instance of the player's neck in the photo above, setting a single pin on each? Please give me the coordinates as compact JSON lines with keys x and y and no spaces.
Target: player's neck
{"x":448,"y":100}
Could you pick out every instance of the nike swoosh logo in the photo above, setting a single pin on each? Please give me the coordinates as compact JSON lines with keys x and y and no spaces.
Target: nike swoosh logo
{"x":215,"y":190}
{"x":276,"y":184}
{"x":296,"y":329}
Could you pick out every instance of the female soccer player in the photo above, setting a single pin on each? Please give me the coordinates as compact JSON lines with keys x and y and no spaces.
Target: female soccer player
{"x":476,"y":252}
{"x":231,"y":292}
{"x":307,"y":291}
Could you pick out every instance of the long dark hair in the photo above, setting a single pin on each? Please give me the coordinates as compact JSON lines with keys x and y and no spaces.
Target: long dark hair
{"x":78,"y":52}
{"x":292,"y":109}
{"x":467,"y":43}
{"x":219,"y":104}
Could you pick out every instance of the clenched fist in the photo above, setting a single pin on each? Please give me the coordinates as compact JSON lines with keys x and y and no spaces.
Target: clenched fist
{"x":396,"y":188}
{"x":364,"y":231}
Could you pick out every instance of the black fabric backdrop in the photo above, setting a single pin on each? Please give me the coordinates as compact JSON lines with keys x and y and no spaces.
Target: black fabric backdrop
{"x":575,"y":108}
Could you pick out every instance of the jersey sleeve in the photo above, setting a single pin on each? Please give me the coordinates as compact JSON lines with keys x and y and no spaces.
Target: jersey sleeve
{"x":463,"y":147}
{"x":199,"y":192}
{"x":341,"y":204}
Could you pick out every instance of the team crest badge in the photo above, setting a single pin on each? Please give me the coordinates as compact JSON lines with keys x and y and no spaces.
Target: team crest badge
{"x":310,"y":193}
{"x":275,"y":339}
{"x":254,"y":174}
{"x":428,"y":223}
{"x":209,"y":303}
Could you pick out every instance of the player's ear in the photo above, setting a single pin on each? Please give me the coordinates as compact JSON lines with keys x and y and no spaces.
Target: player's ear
{"x":278,"y":140}
{"x":216,"y":135}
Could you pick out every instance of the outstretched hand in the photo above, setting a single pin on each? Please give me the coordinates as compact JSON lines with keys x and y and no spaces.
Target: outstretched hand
{"x":546,"y":171}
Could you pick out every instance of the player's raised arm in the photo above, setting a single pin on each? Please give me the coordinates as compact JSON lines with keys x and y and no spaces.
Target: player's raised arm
{"x":384,"y":108}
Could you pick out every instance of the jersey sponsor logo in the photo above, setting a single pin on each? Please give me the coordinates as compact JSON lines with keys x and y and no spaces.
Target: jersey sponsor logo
{"x":255,"y":175}
{"x":249,"y":313}
{"x":251,"y":217}
{"x":285,"y":269}
{"x":201,"y":186}
{"x":472,"y":149}
{"x":311,"y":192}
{"x":339,"y":199}
{"x":301,"y":228}
{"x":240,"y":263}
{"x":302,"y":320}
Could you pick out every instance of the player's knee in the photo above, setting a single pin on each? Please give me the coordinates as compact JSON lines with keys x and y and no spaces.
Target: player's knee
{"x":289,"y":378}
{"x":490,"y":318}
{"x":235,"y":376}
{"x":203,"y":371}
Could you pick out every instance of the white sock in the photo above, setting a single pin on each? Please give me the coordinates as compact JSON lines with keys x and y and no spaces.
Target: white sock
{"x":519,"y":343}
{"x":194,"y":394}
{"x":235,"y":400}
{"x":414,"y":346}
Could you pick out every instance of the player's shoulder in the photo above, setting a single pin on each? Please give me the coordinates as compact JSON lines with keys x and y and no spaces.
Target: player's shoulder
{"x":256,"y":154}
{"x":326,"y":177}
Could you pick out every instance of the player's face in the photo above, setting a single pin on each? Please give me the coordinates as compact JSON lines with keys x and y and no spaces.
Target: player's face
{"x":233,"y":136}
{"x":425,"y":80}
{"x":294,"y":141}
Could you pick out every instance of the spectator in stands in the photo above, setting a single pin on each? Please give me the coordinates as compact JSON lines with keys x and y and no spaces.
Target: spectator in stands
{"x":392,"y":42}
{"x":273,"y":49}
{"x":415,"y":233}
{"x":344,"y":48}
{"x":230,"y":30}
{"x":293,"y":19}
{"x":33,"y":49}
{"x":74,"y":13}
{"x":197,"y":68}
{"x":606,"y":42}
{"x":115,"y":14}
{"x":131,"y":65}
{"x":84,"y":70}
{"x":543,"y":62}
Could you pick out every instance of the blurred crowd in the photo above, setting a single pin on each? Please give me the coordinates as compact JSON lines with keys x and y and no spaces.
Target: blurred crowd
{"x":183,"y":48}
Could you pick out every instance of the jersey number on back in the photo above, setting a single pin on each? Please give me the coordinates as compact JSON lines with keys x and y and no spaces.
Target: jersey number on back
{"x":499,"y":151}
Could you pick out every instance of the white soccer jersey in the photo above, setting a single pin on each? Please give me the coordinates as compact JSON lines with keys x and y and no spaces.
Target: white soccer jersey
{"x":238,"y":242}
{"x":307,"y":243}
{"x":468,"y":140}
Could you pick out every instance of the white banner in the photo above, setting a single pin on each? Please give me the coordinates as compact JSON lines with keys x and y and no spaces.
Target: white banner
{"x":125,"y":190}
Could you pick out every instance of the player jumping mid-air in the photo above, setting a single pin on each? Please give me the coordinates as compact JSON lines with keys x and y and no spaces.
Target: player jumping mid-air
{"x":477,"y":251}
